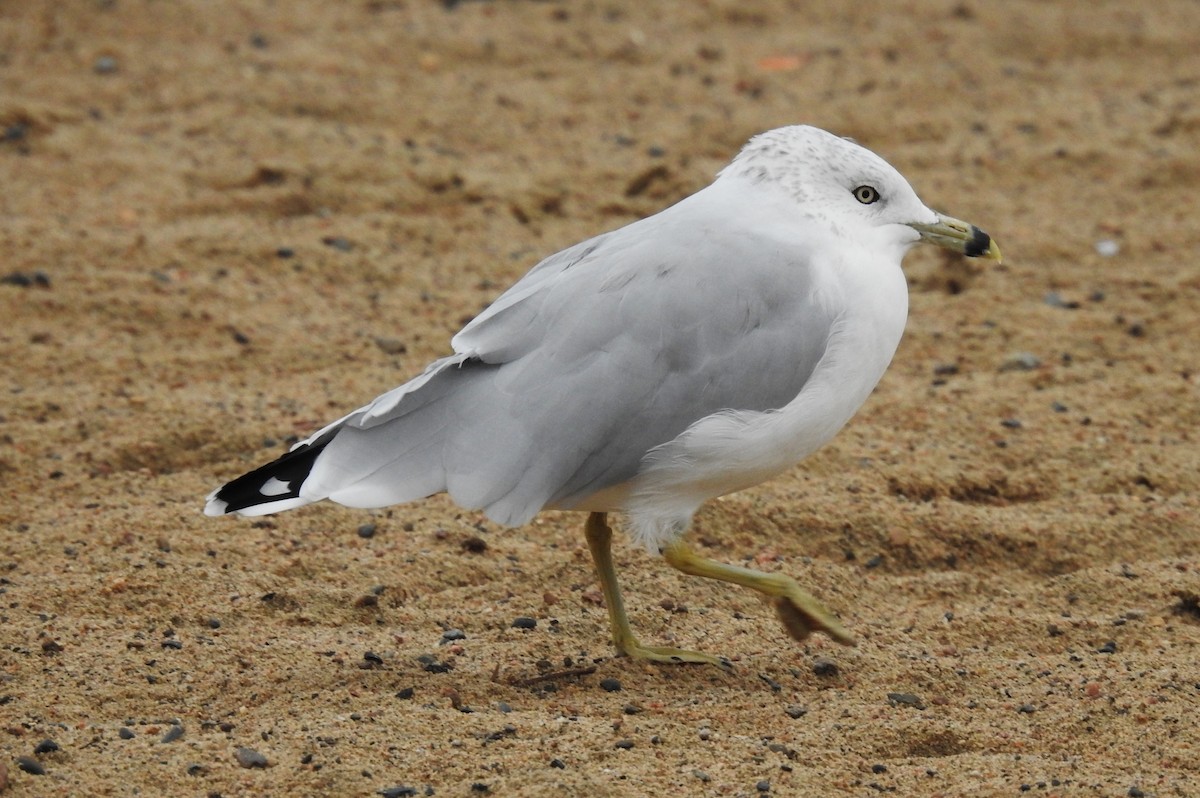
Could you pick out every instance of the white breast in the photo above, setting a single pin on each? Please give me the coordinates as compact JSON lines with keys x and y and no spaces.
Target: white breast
{"x":732,"y":450}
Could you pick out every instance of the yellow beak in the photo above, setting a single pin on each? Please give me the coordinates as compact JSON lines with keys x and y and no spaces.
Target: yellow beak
{"x":960,"y":236}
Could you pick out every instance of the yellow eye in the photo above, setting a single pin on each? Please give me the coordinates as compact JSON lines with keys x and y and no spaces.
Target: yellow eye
{"x":866,"y":194}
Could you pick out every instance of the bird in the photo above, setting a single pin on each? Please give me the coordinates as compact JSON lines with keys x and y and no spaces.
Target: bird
{"x":687,"y":355}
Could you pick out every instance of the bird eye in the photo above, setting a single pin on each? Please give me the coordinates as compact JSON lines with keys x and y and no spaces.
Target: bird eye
{"x":866,"y":194}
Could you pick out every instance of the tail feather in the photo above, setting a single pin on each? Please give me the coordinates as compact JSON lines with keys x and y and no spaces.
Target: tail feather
{"x":269,"y":488}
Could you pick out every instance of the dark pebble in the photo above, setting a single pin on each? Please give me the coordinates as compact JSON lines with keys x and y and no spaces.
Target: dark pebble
{"x":46,"y":746}
{"x":558,"y":764}
{"x":197,"y":770}
{"x":126,"y":733}
{"x":1058,"y":407}
{"x":610,"y":685}
{"x":906,"y":699}
{"x":630,"y":709}
{"x":338,"y":243}
{"x":763,"y":786}
{"x":406,"y":694}
{"x":795,"y":712}
{"x":624,"y":745}
{"x":172,"y":643}
{"x":372,"y":660}
{"x":524,"y":623}
{"x":1136,"y":792}
{"x":1027,"y":709}
{"x":214,"y":623}
{"x":823,"y":666}
{"x":173,"y":734}
{"x":875,"y":561}
{"x":366,"y":531}
{"x":249,"y":758}
{"x":480,"y":787}
{"x":1011,"y":423}
{"x":450,"y":635}
{"x":700,"y":774}
{"x":879,"y":768}
{"x":399,"y":791}
{"x":1108,"y":648}
{"x":945,"y":369}
{"x":31,"y":766}
{"x":285,"y":252}
{"x":437,"y":667}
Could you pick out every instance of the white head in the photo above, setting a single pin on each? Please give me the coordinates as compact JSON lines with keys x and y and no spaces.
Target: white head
{"x":851,"y":190}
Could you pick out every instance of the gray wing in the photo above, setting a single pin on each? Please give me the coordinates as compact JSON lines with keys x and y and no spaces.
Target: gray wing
{"x":598,"y":355}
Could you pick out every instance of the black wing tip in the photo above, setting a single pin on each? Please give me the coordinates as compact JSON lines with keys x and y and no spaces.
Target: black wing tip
{"x":245,"y":492}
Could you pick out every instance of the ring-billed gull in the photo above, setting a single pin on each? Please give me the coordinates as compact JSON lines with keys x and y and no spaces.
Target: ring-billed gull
{"x":693,"y":353}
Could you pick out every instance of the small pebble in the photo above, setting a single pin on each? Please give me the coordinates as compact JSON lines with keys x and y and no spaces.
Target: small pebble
{"x":1106,"y":248}
{"x":104,"y":65}
{"x":366,"y":530}
{"x":945,"y":369}
{"x":399,"y":791}
{"x":406,"y":694}
{"x":763,"y":786}
{"x":249,"y":758}
{"x":610,"y":685}
{"x":795,"y":712}
{"x":46,"y":746}
{"x":524,"y":623}
{"x":1136,"y":792}
{"x":450,"y":635}
{"x":1021,"y":361}
{"x":1027,"y":709}
{"x":391,"y":346}
{"x":624,"y":745}
{"x":700,"y":774}
{"x":1055,"y":300}
{"x":172,"y":734}
{"x":1059,"y":407}
{"x":1011,"y":423}
{"x":823,"y":666}
{"x":338,"y":243}
{"x":126,"y":733}
{"x":285,"y":252}
{"x":31,"y":766}
{"x":1108,"y":648}
{"x":906,"y":699}
{"x":558,"y":764}
{"x":879,"y":768}
{"x":196,"y":770}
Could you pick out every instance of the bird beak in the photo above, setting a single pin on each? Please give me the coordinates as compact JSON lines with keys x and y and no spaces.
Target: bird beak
{"x":959,"y":236}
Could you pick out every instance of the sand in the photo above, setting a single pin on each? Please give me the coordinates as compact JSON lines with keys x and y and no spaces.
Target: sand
{"x":227,"y":223}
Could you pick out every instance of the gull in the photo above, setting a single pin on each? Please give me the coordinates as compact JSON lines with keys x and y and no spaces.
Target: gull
{"x":685,"y":356}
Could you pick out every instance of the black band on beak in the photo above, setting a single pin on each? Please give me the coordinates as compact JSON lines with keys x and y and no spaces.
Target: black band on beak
{"x":979,"y":243}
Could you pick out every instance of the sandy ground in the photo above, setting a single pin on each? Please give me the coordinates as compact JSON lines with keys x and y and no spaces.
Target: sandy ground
{"x":226,"y":223}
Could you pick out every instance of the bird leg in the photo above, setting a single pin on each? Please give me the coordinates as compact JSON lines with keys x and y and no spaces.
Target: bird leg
{"x":599,"y":538}
{"x":800,"y":613}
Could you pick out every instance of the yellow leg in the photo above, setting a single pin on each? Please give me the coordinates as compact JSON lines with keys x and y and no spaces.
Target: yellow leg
{"x":599,"y":538}
{"x":801,"y":613}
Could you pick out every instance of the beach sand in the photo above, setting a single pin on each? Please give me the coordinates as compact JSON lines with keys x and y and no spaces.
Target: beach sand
{"x":225,"y":224}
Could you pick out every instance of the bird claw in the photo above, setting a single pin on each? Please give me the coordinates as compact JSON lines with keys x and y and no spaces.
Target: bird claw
{"x":804,"y":615}
{"x":673,"y":656}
